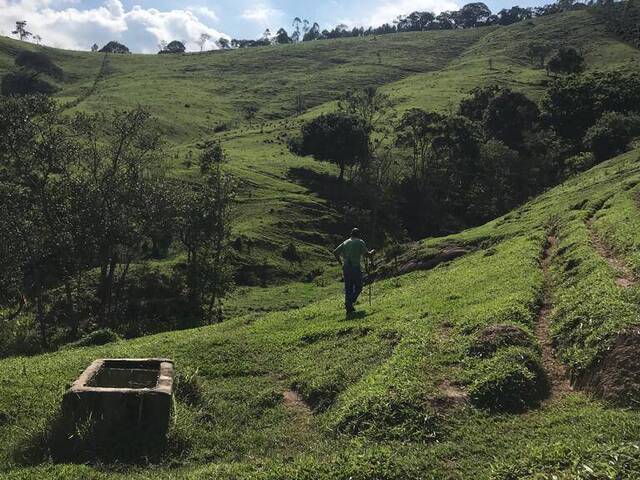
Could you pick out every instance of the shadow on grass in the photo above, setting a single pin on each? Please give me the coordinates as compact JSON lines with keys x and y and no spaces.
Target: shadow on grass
{"x":91,"y":442}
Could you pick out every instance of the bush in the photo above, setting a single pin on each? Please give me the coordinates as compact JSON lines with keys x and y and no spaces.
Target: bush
{"x":39,"y":62}
{"x":99,"y":337}
{"x":291,"y":253}
{"x":511,"y":381}
{"x":579,"y":163}
{"x":23,"y":83}
{"x":611,"y":135}
{"x":114,"y":47}
{"x":567,"y":60}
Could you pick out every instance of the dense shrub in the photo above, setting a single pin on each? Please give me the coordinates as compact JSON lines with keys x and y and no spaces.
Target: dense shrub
{"x":579,"y":163}
{"x":513,"y":381}
{"x":40,"y":63}
{"x":568,"y":60}
{"x":98,"y":337}
{"x":24,"y":83}
{"x":114,"y":47}
{"x":611,"y":135}
{"x":574,"y":104}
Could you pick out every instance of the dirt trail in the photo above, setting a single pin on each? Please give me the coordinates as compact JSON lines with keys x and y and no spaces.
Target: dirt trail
{"x":556,"y":372}
{"x":625,"y":278}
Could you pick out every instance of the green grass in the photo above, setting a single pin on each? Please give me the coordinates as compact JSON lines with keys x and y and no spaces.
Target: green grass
{"x":379,"y":384}
{"x":375,"y":382}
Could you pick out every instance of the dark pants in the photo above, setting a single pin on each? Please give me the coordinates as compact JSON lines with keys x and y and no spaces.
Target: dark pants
{"x":352,"y":285}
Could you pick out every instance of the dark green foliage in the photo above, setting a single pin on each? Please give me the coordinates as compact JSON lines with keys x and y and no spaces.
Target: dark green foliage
{"x":573,"y":104}
{"x":173,"y":47}
{"x":337,"y":137}
{"x":566,"y":61}
{"x":474,"y":105}
{"x":513,"y":380}
{"x":508,"y":116}
{"x":40,"y":63}
{"x":611,"y":135}
{"x":291,"y":253}
{"x":114,"y":47}
{"x":25,"y":83}
{"x":97,"y":337}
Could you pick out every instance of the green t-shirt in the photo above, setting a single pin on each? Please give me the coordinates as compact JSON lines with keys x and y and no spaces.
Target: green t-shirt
{"x":352,"y":251}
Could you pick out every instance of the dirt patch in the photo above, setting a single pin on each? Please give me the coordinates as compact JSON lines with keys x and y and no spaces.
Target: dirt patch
{"x":616,"y":376}
{"x":488,"y":340}
{"x":294,"y":401}
{"x":416,"y":258}
{"x":625,"y":277}
{"x":450,"y":396}
{"x":556,"y":373}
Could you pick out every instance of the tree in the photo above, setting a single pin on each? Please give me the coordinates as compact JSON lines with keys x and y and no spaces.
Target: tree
{"x":38,"y":39}
{"x":267,"y":35}
{"x":416,"y":130}
{"x":538,"y":51}
{"x":174,"y":47}
{"x":567,"y":61}
{"x":114,"y":47}
{"x":21,"y":30}
{"x":223,"y":43}
{"x":575,"y":103}
{"x":473,"y":15}
{"x":203,"y":39}
{"x":95,"y":47}
{"x":301,"y":104}
{"x":297,"y":22}
{"x":312,"y":33}
{"x":513,"y":15}
{"x":282,"y":37}
{"x":508,"y":116}
{"x":611,"y":135}
{"x":205,"y":222}
{"x":474,"y":105}
{"x":25,"y":82}
{"x":375,"y":110}
{"x":339,"y":137}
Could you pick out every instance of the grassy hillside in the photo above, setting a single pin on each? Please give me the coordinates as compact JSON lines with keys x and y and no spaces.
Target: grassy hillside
{"x":192,"y":95}
{"x":458,"y":369}
{"x":395,"y":392}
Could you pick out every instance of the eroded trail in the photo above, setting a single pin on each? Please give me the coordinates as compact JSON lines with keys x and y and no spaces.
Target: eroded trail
{"x":294,"y":401}
{"x":558,"y":379}
{"x":625,"y":277}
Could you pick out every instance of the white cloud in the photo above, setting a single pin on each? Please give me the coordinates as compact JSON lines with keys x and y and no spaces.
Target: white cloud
{"x":262,"y":14}
{"x":139,"y":28}
{"x":387,"y":11}
{"x":205,"y":12}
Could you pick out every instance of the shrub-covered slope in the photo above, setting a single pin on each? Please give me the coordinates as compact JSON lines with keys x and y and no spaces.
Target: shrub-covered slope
{"x":445,"y":375}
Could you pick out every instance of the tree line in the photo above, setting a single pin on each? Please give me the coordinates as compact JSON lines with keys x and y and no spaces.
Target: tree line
{"x":86,"y":202}
{"x":427,"y":173}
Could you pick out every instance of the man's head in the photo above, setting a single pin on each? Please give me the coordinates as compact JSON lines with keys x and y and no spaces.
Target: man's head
{"x":355,"y":233}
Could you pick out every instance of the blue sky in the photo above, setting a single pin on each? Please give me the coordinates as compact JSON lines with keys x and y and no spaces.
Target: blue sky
{"x":142,"y":24}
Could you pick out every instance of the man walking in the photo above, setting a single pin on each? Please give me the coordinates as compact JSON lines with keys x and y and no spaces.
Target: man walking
{"x":349,"y":254}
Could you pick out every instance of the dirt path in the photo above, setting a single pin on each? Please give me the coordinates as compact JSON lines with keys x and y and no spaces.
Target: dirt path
{"x":625,"y":277}
{"x":555,"y":369}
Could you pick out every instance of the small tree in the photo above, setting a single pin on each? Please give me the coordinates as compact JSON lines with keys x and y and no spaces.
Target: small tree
{"x":174,"y":47}
{"x":611,"y":135}
{"x":114,"y":47}
{"x":566,"y":61}
{"x":282,"y":37}
{"x":203,"y":39}
{"x":21,"y":30}
{"x":95,"y":48}
{"x":223,"y":43}
{"x":537,"y":52}
{"x":339,"y":138}
{"x":205,"y":230}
